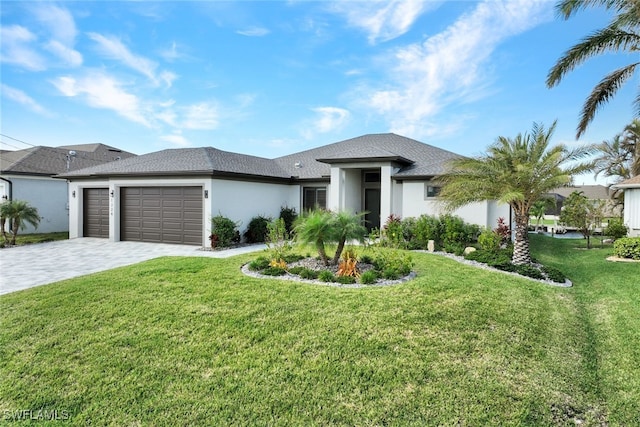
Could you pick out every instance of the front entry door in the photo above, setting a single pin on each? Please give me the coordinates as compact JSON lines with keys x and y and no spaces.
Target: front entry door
{"x":372,"y":206}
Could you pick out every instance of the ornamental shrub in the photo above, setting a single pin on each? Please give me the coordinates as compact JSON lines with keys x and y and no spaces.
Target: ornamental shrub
{"x":224,"y":231}
{"x":326,"y":276}
{"x":489,"y":240}
{"x":427,"y":228}
{"x":273,"y":271}
{"x":345,"y":280}
{"x":257,"y":230}
{"x":369,"y":277}
{"x":259,"y":263}
{"x":554,"y":274}
{"x":616,"y":229}
{"x":288,"y":215}
{"x":627,"y":247}
{"x":307,"y":273}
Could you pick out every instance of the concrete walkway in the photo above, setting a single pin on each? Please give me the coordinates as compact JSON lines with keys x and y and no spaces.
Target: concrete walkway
{"x":27,"y":266}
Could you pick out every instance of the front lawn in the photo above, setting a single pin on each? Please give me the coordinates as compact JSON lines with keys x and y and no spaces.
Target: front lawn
{"x":192,"y":341}
{"x":26,"y":239}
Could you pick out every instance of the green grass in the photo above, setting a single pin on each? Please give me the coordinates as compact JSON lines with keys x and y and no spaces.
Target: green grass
{"x":26,"y":239}
{"x":191,"y":341}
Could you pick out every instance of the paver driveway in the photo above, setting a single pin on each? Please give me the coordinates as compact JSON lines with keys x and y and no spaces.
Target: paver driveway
{"x":27,"y":266}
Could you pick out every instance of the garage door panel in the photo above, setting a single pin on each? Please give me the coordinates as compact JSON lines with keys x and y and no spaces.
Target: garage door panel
{"x":95,"y":212}
{"x":162,"y":214}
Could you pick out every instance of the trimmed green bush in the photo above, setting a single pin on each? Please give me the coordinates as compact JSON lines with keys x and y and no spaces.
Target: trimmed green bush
{"x":307,"y":273}
{"x":616,"y":229}
{"x":223,"y":231}
{"x":257,"y":230}
{"x":288,"y":215}
{"x":326,"y":276}
{"x":345,"y":280}
{"x":427,"y":228}
{"x":296,"y":270}
{"x":529,"y":271}
{"x":489,"y":240}
{"x":368,"y":277}
{"x":554,"y":274}
{"x":258,"y":264}
{"x":627,"y":247}
{"x":273,"y":271}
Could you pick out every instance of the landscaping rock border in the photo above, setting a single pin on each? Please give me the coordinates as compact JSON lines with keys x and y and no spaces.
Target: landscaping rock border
{"x":462,"y":260}
{"x":292,"y":277}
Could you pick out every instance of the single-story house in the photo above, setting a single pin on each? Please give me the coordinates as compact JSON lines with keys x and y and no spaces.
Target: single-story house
{"x":631,"y":188}
{"x":28,"y":175}
{"x":169,"y":196}
{"x":592,"y":192}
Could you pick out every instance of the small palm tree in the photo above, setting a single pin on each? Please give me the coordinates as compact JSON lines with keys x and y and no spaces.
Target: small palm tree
{"x":18,"y":213}
{"x":518,"y":171}
{"x":315,"y":227}
{"x":537,"y":210}
{"x":622,"y":34}
{"x":347,"y":226}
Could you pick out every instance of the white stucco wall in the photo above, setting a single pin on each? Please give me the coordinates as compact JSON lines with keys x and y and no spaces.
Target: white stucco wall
{"x":241,"y":201}
{"x":353,"y":190}
{"x":48,"y":195}
{"x":632,"y":211}
{"x":414,"y":204}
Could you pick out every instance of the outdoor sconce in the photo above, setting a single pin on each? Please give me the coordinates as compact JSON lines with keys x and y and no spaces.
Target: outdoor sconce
{"x":206,"y":194}
{"x":112,"y":193}
{"x":73,"y":193}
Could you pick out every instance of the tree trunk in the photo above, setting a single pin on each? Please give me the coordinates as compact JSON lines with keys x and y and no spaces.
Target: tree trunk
{"x":521,"y":254}
{"x":322,"y":252}
{"x":3,"y":222}
{"x":339,"y":250}
{"x":14,"y":231}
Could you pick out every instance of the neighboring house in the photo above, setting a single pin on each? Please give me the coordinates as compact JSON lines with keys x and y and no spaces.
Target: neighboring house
{"x":631,"y":188}
{"x":28,"y":175}
{"x":169,"y":196}
{"x":592,"y":192}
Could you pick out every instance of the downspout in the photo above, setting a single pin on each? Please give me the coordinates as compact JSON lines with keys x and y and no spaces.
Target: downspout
{"x":10,"y":188}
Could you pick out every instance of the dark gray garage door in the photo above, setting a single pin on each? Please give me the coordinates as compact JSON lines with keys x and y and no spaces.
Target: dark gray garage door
{"x":96,"y":212}
{"x":161,"y":214}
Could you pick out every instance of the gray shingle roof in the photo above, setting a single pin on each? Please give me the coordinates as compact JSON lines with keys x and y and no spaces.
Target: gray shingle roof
{"x":629,"y":183}
{"x":187,"y":161}
{"x":48,"y":161}
{"x":593,"y":192}
{"x":427,"y":159}
{"x":416,"y":159}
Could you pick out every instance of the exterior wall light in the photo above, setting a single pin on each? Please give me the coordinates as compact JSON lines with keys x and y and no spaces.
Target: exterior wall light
{"x":206,"y":194}
{"x":73,"y":193}
{"x":112,"y":193}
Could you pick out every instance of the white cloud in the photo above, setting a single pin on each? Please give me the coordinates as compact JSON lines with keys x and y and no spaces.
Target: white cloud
{"x":327,"y":119}
{"x":450,"y":67}
{"x":113,"y":48}
{"x":16,"y":49}
{"x":62,"y":27}
{"x":201,"y":116}
{"x":383,"y":20}
{"x":22,"y":98}
{"x":100,"y":90}
{"x":176,"y":139}
{"x":70,"y":56}
{"x":254,"y":32}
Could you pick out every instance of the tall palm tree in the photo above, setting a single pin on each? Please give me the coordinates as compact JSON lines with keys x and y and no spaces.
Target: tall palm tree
{"x":622,"y":34}
{"x":517,"y":171}
{"x":18,"y":213}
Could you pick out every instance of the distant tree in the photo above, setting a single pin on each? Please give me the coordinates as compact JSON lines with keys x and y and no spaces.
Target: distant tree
{"x":584,"y":214}
{"x":18,"y":214}
{"x":518,"y":171}
{"x":622,"y":34}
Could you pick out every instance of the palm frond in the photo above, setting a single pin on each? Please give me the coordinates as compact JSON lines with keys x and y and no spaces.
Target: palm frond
{"x":568,"y":8}
{"x":607,"y":39}
{"x":601,"y":94}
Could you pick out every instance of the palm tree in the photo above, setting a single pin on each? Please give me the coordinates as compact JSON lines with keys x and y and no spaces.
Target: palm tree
{"x":18,"y":213}
{"x":537,"y":210}
{"x":517,"y":171}
{"x":620,"y":35}
{"x":315,"y":227}
{"x":631,"y":143}
{"x":347,"y":226}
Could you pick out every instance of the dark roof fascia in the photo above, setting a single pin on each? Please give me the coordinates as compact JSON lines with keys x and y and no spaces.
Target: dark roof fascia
{"x":413,"y":178}
{"x":134,"y":175}
{"x":310,"y":180}
{"x":230,"y":176}
{"x":9,"y":172}
{"x":395,"y":159}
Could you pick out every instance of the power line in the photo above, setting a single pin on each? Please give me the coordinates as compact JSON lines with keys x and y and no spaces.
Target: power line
{"x":16,"y":139}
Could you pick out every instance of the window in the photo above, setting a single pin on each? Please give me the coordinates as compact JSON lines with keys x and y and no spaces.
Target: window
{"x":314,"y":197}
{"x":431,"y":191}
{"x":372,"y":177}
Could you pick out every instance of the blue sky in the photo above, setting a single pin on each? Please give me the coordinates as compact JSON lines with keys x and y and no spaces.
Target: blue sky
{"x":270,"y":78}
